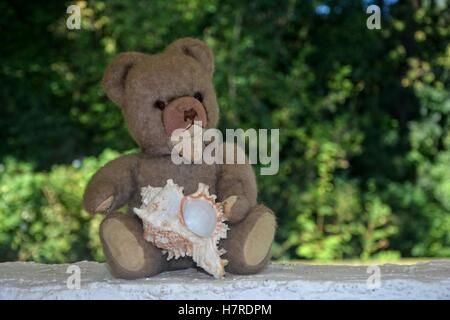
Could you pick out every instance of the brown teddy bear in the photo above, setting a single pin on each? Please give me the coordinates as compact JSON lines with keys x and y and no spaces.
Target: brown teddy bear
{"x":157,"y":94}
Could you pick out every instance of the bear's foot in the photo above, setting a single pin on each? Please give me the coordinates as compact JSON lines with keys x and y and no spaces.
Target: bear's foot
{"x":249,"y":242}
{"x":128,"y":254}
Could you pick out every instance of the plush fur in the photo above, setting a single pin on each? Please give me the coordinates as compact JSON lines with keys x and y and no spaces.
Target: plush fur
{"x":152,"y":91}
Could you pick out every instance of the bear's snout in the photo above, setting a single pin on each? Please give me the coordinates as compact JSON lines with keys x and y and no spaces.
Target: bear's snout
{"x":190,"y":115}
{"x":182,"y":112}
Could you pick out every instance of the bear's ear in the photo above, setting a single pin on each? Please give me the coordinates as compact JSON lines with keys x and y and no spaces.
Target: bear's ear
{"x":116,"y":74}
{"x":196,"y":49}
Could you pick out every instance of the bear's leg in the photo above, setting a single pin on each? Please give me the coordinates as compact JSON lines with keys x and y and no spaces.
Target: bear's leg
{"x":249,"y":242}
{"x":128,"y":254}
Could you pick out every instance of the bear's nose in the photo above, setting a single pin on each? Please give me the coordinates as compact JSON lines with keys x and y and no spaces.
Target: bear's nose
{"x":190,"y":115}
{"x":183,"y":112}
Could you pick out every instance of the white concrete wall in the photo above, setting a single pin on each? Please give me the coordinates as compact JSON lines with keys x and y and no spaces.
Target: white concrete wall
{"x":20,"y":280}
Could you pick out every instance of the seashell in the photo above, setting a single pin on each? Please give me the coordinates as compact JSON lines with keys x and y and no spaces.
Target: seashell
{"x":199,"y":212}
{"x":181,"y":225}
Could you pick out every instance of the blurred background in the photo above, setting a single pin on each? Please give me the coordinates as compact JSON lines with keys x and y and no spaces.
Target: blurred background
{"x":364,"y":118}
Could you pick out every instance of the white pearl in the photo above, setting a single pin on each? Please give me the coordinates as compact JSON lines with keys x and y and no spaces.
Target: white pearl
{"x":200,"y":217}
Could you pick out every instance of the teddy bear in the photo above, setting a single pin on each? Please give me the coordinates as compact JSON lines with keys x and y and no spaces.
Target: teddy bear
{"x":156,"y":94}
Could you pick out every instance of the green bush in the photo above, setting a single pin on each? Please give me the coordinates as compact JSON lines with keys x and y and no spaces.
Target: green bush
{"x":41,"y":216}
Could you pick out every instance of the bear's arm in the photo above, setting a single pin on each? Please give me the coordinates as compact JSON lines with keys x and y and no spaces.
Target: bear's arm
{"x":111,"y":186}
{"x":237,"y":180}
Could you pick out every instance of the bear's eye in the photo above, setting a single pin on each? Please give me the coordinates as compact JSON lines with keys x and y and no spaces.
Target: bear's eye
{"x":160,"y":104}
{"x":198,"y":96}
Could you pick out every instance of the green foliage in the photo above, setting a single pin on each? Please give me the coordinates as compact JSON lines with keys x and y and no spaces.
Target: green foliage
{"x":41,"y":218}
{"x":363,"y":117}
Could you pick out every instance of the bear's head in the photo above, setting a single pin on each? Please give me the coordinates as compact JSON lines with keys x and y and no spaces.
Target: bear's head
{"x":162,"y":92}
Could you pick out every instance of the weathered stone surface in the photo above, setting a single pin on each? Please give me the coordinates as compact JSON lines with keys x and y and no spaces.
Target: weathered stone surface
{"x":26,"y":280}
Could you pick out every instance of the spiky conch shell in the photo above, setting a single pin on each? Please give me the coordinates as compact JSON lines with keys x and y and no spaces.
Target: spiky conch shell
{"x":163,"y":215}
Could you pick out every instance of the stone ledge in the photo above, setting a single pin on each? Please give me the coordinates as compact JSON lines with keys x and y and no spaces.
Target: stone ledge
{"x":28,"y":280}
